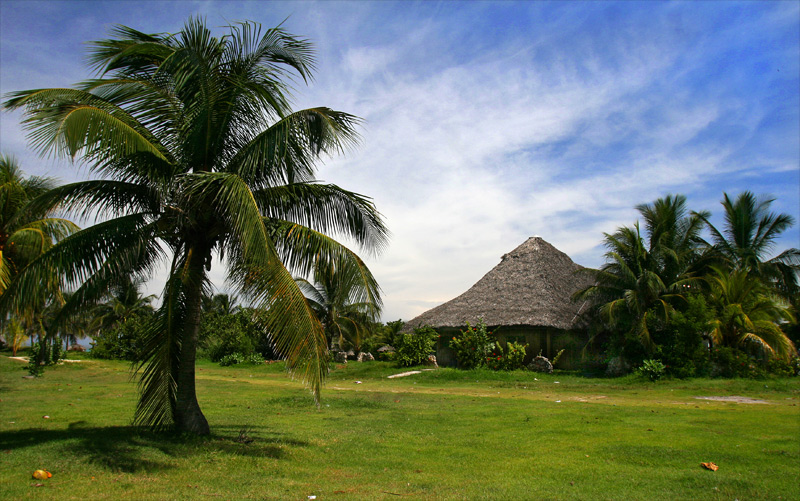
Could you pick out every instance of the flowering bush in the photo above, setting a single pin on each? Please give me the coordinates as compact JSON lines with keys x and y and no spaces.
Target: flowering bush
{"x":473,"y":346}
{"x":506,"y":360}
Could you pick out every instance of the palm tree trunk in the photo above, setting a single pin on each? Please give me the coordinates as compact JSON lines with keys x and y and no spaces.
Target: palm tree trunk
{"x":188,"y":416}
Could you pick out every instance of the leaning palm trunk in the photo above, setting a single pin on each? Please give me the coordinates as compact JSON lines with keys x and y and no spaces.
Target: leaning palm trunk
{"x":188,"y":416}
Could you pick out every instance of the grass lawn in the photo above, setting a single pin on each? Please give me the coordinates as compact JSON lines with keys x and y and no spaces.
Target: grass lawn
{"x":442,"y":434}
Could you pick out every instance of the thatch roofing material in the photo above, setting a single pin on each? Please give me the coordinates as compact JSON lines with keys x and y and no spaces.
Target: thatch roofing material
{"x":532,"y":286}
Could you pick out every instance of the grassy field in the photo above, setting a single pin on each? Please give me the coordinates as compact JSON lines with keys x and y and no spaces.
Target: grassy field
{"x":441,"y":434}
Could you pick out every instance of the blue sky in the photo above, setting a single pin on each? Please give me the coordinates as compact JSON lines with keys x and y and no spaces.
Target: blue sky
{"x":489,"y":122}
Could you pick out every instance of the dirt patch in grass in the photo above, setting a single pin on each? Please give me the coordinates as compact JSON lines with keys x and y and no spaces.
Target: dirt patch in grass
{"x":737,"y":399}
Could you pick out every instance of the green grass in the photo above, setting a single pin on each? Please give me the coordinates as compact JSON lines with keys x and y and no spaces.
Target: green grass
{"x":442,"y":434}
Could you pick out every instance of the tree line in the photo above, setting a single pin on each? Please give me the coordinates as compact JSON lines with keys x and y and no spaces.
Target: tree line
{"x":666,"y":291}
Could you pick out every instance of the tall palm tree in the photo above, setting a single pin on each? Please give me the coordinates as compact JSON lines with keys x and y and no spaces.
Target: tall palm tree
{"x":674,"y":238}
{"x":198,"y":154}
{"x":747,"y":315}
{"x":748,"y":238}
{"x":345,"y":307}
{"x":644,"y":275}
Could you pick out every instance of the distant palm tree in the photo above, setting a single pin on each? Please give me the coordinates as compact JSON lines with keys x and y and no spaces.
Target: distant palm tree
{"x":124,"y":300}
{"x":746,"y":315}
{"x":222,"y":304}
{"x":199,"y":155}
{"x":26,"y":232}
{"x":748,"y":238}
{"x":346,"y":299}
{"x":674,"y":238}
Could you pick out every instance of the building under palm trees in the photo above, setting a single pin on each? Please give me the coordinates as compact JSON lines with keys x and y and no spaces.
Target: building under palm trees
{"x":526,"y":298}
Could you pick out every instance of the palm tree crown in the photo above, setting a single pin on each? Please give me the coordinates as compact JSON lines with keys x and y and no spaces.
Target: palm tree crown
{"x":748,"y":238}
{"x":198,"y":154}
{"x":25,"y":232}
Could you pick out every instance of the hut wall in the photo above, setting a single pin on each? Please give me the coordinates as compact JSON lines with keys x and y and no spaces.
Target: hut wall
{"x":545,"y":339}
{"x":445,"y":356}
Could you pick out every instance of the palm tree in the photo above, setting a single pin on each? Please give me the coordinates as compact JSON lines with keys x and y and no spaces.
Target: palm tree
{"x":123,"y":302}
{"x":25,"y":233}
{"x":628,"y":291}
{"x":643,"y":277}
{"x":748,"y":238}
{"x":199,"y":154}
{"x":345,"y":307}
{"x":674,"y":238}
{"x":222,"y":304}
{"x":747,"y":315}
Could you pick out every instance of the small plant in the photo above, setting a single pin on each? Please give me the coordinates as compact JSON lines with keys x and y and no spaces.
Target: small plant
{"x":515,"y":356}
{"x":52,"y":354}
{"x":555,"y":358}
{"x":254,"y":359}
{"x":652,"y":369}
{"x":232,"y":359}
{"x":238,"y":358}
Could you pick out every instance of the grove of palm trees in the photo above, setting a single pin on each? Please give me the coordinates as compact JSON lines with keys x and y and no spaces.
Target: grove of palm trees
{"x":670,"y":294}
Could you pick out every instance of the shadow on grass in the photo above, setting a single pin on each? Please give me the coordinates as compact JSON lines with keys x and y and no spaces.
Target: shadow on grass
{"x":130,"y":449}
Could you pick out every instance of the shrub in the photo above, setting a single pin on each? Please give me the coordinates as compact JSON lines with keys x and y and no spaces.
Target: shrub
{"x":652,"y":369}
{"x":225,"y":334}
{"x":125,"y":341}
{"x":730,"y":362}
{"x":238,"y":358}
{"x":681,"y":346}
{"x":414,"y":349}
{"x":782,"y":368}
{"x":473,"y":346}
{"x":52,"y":354}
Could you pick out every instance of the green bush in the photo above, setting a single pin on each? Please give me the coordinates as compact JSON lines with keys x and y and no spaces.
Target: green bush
{"x":414,"y":349}
{"x":238,"y":358}
{"x":225,"y":334}
{"x":652,"y":369}
{"x":473,"y":346}
{"x":782,"y":368}
{"x":125,"y":341}
{"x":681,"y":345}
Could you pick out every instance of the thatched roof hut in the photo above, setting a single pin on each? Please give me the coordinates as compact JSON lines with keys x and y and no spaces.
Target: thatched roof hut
{"x":532,"y":286}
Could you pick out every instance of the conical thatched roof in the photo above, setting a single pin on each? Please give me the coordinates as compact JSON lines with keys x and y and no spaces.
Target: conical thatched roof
{"x":532,"y":286}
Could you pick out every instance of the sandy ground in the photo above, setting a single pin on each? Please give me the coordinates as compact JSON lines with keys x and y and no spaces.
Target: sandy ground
{"x":25,"y":359}
{"x":738,"y":400}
